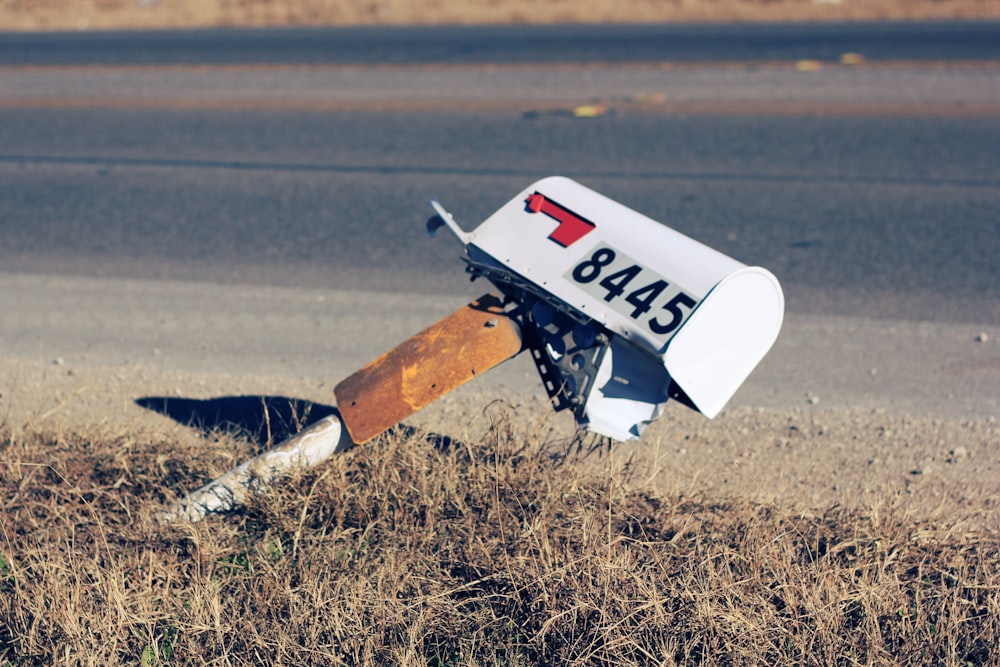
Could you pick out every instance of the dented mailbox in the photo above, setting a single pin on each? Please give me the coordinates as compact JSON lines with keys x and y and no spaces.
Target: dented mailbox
{"x":621,"y":313}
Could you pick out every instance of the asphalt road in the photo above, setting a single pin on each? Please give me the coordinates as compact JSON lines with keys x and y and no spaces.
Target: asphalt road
{"x":928,"y":41}
{"x":270,"y":217}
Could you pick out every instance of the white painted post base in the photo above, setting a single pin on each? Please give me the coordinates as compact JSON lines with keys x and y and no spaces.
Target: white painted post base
{"x":231,"y":489}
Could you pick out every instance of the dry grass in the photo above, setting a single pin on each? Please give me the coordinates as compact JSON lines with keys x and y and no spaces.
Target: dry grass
{"x":115,"y":14}
{"x":500,"y":552}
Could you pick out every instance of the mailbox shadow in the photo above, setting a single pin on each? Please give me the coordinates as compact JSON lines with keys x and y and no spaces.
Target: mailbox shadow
{"x":265,"y":420}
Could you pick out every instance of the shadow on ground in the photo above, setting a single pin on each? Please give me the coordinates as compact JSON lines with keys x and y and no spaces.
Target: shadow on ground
{"x":266,"y":420}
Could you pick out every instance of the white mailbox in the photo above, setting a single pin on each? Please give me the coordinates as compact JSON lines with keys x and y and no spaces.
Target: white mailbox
{"x":624,"y":312}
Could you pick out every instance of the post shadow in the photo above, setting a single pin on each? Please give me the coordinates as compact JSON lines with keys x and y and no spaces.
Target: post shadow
{"x":266,"y":420}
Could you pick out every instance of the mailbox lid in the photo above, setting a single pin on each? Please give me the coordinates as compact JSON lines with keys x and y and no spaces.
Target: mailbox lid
{"x":726,"y":337}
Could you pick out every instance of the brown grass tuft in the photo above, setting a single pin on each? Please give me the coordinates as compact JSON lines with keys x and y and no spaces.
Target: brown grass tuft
{"x":503,"y":551}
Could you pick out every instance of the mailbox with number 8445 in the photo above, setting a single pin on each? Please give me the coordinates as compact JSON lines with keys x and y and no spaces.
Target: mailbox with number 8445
{"x":620,"y":313}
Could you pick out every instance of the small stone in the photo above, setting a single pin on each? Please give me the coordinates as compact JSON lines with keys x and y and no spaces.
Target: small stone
{"x":58,"y":361}
{"x":589,"y":111}
{"x":960,"y":453}
{"x":982,"y":338}
{"x":812,"y":400}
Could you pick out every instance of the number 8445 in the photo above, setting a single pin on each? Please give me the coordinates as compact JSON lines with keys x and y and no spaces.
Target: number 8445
{"x":632,"y":290}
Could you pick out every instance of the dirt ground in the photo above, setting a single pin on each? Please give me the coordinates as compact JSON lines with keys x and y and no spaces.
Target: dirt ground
{"x":24,"y":15}
{"x":804,"y":459}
